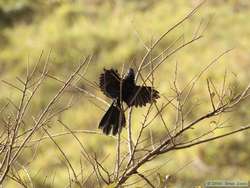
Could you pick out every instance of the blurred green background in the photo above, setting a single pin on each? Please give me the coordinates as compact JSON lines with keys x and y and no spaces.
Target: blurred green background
{"x":114,"y":32}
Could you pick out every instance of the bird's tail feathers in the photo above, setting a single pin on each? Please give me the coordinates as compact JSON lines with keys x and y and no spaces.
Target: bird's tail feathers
{"x":113,"y":119}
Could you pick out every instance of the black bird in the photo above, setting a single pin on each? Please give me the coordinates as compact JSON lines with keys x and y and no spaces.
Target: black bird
{"x":118,"y":89}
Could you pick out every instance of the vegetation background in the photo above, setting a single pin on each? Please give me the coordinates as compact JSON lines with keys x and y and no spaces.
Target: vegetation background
{"x":114,"y":32}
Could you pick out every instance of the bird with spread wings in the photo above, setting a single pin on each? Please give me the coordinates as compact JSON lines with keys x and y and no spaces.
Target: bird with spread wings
{"x":122,"y":90}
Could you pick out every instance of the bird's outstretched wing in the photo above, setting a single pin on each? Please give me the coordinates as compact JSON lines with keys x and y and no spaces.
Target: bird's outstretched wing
{"x":141,"y":95}
{"x":110,"y":83}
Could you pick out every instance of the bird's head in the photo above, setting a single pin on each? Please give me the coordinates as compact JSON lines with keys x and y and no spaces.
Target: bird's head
{"x":130,"y":73}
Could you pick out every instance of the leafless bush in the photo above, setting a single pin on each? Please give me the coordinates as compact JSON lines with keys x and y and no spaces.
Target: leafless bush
{"x":131,"y":152}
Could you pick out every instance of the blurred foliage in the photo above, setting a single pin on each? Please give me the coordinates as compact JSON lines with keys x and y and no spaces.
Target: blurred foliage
{"x":115,"y":32}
